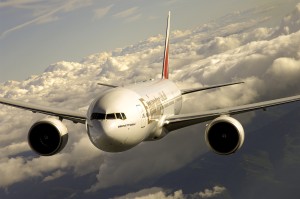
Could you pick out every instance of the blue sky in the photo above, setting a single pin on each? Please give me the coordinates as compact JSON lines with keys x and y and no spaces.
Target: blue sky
{"x":37,"y":33}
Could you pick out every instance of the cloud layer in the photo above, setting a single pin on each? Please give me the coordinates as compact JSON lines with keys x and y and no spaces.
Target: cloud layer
{"x":155,"y":192}
{"x":211,"y":54}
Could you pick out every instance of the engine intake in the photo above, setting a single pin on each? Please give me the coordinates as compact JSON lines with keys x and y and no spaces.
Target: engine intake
{"x":225,"y":135}
{"x":48,"y":136}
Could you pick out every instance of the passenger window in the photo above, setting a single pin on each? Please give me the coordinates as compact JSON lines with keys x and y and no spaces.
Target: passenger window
{"x":119,"y":116}
{"x":124,"y":116}
{"x":97,"y":116}
{"x":110,"y":116}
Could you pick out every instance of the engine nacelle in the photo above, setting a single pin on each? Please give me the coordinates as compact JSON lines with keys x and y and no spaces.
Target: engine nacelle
{"x":225,"y":135}
{"x":48,"y":136}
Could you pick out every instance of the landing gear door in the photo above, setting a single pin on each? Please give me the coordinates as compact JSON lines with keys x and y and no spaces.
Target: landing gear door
{"x":142,"y":115}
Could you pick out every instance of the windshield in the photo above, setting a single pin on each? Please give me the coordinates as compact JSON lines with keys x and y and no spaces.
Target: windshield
{"x":108,"y":116}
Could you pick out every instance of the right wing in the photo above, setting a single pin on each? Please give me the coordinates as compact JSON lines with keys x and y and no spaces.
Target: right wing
{"x":179,"y":121}
{"x":192,"y":90}
{"x":62,"y":114}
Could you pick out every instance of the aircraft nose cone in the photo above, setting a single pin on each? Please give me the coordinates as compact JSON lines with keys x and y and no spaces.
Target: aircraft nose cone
{"x":104,"y":120}
{"x":99,"y":135}
{"x":106,"y":136}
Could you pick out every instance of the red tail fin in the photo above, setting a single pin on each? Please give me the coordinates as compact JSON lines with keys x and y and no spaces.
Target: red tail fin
{"x":165,"y":70}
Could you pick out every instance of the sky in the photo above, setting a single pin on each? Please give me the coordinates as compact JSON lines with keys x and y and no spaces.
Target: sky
{"x":250,"y":41}
{"x":37,"y":33}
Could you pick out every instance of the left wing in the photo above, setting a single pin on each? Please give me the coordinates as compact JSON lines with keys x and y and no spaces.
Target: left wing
{"x":62,"y":114}
{"x":179,"y":121}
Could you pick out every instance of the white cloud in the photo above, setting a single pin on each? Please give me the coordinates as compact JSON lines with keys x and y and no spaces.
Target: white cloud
{"x":45,"y":17}
{"x":150,"y":159}
{"x":142,"y":193}
{"x":101,"y":12}
{"x":72,"y":5}
{"x":14,"y":170}
{"x":284,"y":68}
{"x":156,"y":192}
{"x":14,"y":149}
{"x":55,"y":175}
{"x":127,"y":13}
{"x":16,"y":3}
{"x":215,"y":191}
{"x":290,"y":23}
{"x":133,"y":18}
{"x":43,"y":12}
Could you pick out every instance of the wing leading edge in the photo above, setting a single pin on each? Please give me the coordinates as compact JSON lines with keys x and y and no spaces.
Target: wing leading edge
{"x":62,"y":114}
{"x":179,"y":121}
{"x":192,"y":90}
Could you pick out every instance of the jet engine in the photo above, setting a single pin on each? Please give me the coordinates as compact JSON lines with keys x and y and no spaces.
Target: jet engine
{"x":225,"y":135}
{"x":48,"y":136}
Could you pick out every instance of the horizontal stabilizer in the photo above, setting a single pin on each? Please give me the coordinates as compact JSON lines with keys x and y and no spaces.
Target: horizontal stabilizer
{"x":192,"y":90}
{"x":108,"y":85}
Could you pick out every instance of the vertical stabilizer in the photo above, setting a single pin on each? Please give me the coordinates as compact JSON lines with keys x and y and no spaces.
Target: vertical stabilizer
{"x":165,"y":70}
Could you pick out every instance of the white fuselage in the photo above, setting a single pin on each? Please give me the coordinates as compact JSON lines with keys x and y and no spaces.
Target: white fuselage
{"x":123,"y":117}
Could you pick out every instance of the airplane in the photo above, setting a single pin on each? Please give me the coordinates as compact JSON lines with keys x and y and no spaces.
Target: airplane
{"x":125,"y":116}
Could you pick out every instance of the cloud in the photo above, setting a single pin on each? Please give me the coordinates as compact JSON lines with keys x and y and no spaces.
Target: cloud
{"x":290,"y":23}
{"x":133,"y":18}
{"x":55,"y":175}
{"x":45,"y":17}
{"x":16,"y":3}
{"x":162,"y":195}
{"x":156,"y":192}
{"x":213,"y":53}
{"x":169,"y":2}
{"x":215,"y":191}
{"x":43,"y":12}
{"x":143,"y":193}
{"x":128,"y":13}
{"x":17,"y":169}
{"x":14,"y":149}
{"x":72,"y":5}
{"x":101,"y":12}
{"x":173,"y":154}
{"x":83,"y":158}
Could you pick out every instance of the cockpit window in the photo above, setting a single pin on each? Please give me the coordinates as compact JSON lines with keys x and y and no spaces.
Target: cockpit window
{"x":98,"y":116}
{"x":110,"y":116}
{"x":119,"y":116}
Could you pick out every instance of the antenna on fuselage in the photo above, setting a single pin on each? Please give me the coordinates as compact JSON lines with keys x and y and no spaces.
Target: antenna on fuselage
{"x":165,"y":70}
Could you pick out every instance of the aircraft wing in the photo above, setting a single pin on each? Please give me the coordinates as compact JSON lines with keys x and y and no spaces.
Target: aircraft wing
{"x":179,"y":121}
{"x":192,"y":90}
{"x":62,"y":114}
